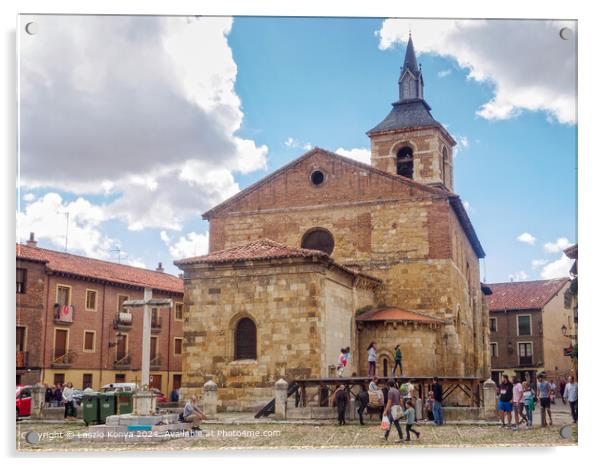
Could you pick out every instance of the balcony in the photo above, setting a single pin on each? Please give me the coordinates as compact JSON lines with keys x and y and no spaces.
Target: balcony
{"x":525,"y":361}
{"x":156,"y":323}
{"x":123,"y":361}
{"x":63,"y":315}
{"x":64,"y":361}
{"x":122,"y":321}
{"x":22,"y":359}
{"x":155,"y":363}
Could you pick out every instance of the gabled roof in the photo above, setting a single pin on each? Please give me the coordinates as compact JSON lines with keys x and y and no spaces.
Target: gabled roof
{"x":262,"y":249}
{"x":523,"y":295}
{"x":228,"y":202}
{"x":95,"y":269}
{"x":266,"y":249}
{"x":396,"y":314}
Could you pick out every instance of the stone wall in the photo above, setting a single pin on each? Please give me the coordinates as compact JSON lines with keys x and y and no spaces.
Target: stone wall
{"x":420,"y":347}
{"x":303,"y":313}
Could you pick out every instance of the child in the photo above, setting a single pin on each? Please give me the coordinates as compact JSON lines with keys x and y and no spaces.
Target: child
{"x":529,"y":401}
{"x":410,"y":415}
{"x":342,"y":362}
{"x":430,"y":403}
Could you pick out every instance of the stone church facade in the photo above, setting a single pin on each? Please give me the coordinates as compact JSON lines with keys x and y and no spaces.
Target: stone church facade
{"x":326,"y":253}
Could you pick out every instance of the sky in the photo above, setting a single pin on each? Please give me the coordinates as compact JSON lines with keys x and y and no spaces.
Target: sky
{"x":131,"y":127}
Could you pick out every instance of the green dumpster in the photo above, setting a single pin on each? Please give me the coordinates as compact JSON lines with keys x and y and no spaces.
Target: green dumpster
{"x":90,"y":406}
{"x":125,"y":402}
{"x":106,"y":406}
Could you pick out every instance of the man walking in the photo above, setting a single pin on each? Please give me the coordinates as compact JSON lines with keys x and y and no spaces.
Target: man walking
{"x":504,"y":404}
{"x":363,"y":399}
{"x":544,"y":390}
{"x":517,"y":402}
{"x":570,"y":394}
{"x":438,"y":403}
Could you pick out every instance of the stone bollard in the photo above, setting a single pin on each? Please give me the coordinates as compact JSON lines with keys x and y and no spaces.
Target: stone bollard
{"x":489,"y":399}
{"x":210,"y":399}
{"x":38,"y":398}
{"x":280,"y":397}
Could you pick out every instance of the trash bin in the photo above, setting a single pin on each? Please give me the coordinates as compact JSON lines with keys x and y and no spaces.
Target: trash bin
{"x":106,"y":406}
{"x":90,"y":406}
{"x":125,"y":402}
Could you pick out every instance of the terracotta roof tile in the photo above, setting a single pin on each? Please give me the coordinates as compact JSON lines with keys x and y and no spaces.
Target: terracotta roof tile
{"x":101,"y":270}
{"x":523,"y":295}
{"x":266,"y":249}
{"x":261,"y":249}
{"x":393,"y":313}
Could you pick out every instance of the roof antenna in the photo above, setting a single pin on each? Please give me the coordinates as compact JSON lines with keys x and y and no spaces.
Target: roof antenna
{"x":118,"y":251}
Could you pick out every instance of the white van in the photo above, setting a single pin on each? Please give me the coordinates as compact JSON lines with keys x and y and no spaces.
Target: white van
{"x":120,"y":387}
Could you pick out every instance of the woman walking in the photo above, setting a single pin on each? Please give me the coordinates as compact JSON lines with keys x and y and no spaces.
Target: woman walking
{"x":372,"y":359}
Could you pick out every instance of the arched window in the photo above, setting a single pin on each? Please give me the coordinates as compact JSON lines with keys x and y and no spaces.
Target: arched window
{"x":245,"y":339}
{"x":318,"y":239}
{"x":405,"y":162}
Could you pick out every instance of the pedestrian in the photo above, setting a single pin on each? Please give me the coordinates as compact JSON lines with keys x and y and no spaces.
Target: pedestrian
{"x":562,"y":386}
{"x":529,"y":401}
{"x":372,"y":359}
{"x":58,"y":395}
{"x":341,"y":363}
{"x":341,"y":398}
{"x":48,"y":395}
{"x":192,"y":413}
{"x":552,"y":392}
{"x":410,"y":415}
{"x":397,"y":361}
{"x":175,"y":396}
{"x":517,"y":402}
{"x":438,"y":404}
{"x":504,"y":405}
{"x":543,"y":394}
{"x":430,"y":403}
{"x":570,"y":394}
{"x":393,"y":410}
{"x":347,"y":356}
{"x":68,"y":399}
{"x":362,"y":399}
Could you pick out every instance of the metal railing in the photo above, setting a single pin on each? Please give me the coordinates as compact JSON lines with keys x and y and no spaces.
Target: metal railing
{"x":63,"y":360}
{"x":122,"y":321}
{"x":155,"y":363}
{"x":123,"y":361}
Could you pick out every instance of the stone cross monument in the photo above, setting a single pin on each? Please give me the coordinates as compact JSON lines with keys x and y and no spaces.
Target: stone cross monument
{"x":144,"y":399}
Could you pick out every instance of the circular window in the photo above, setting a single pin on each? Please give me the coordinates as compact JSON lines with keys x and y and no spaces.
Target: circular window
{"x":317,"y":177}
{"x":318,"y":239}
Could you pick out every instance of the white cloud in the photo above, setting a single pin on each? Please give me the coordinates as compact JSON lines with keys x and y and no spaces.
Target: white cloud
{"x":557,"y":246}
{"x":557,"y":269}
{"x":462,"y":144}
{"x":526,"y":238}
{"x":444,"y":73}
{"x":165,"y":237}
{"x":28,"y":197}
{"x":538,"y":263}
{"x":190,"y":245}
{"x":518,"y":276}
{"x":46,"y":218}
{"x":293,"y":143}
{"x":528,"y":64}
{"x":359,"y":154}
{"x":133,"y":114}
{"x":136,"y":262}
{"x":467,"y":206}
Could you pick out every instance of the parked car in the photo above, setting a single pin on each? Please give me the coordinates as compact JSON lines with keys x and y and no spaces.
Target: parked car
{"x":161,"y":398}
{"x":23,"y":401}
{"x":119,"y":387}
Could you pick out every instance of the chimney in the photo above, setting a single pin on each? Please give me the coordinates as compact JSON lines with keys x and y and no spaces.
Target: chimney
{"x":159,"y":267}
{"x":32,"y":240}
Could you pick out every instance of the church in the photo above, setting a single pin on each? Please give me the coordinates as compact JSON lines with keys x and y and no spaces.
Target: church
{"x":327,"y":253}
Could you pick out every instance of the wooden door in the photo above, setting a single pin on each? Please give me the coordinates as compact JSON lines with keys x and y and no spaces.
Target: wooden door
{"x":60,"y":343}
{"x":155,"y":381}
{"x":121,"y":346}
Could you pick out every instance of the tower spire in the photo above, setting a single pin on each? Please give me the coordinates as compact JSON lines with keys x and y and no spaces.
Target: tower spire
{"x":410,"y":80}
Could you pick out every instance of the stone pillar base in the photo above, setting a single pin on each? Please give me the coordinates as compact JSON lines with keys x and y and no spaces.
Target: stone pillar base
{"x":145,"y":403}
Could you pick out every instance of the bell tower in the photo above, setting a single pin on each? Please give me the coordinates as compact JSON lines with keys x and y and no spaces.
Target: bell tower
{"x":409,"y":142}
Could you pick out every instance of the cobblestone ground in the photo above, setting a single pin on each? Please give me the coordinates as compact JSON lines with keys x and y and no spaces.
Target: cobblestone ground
{"x":249,"y":435}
